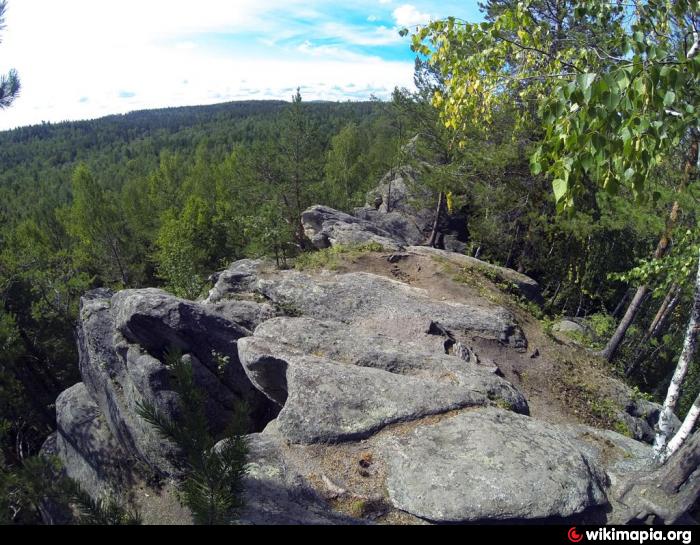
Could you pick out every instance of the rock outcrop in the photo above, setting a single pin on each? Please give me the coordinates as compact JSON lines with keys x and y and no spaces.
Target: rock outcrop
{"x":371,"y":399}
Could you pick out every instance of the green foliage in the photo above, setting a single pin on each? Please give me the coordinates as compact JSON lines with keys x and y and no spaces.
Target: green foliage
{"x":191,"y":244}
{"x":23,"y":488}
{"x":614,"y":87}
{"x":9,"y":83}
{"x":212,"y":485}
{"x":96,"y":224}
{"x":677,"y":268}
{"x":347,"y":172}
{"x":38,"y":482}
{"x":269,"y":234}
{"x":603,"y":324}
{"x":331,"y":258}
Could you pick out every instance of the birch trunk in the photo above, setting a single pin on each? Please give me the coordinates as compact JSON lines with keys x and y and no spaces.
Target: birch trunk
{"x":685,"y":430}
{"x":661,"y":447}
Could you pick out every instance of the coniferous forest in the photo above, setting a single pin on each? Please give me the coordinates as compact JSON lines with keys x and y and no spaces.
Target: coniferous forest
{"x":167,"y":197}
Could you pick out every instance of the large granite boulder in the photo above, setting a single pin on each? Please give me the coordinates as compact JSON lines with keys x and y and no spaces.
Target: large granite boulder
{"x":119,"y":377}
{"x":158,"y":322}
{"x":327,"y":227}
{"x":490,"y":464}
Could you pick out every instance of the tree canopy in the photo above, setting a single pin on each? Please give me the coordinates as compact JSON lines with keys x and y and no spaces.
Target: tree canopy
{"x":613,"y":84}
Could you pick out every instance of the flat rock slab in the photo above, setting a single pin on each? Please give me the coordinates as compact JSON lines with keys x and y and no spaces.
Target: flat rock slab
{"x":424,"y":356}
{"x":490,"y":464}
{"x":387,"y":306}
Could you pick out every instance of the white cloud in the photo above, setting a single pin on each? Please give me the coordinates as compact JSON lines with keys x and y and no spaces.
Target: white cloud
{"x":76,"y":57}
{"x":366,"y":36}
{"x":408,"y":15}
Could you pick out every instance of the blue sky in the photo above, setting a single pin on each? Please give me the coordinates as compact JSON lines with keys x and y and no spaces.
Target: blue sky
{"x":81,"y":59}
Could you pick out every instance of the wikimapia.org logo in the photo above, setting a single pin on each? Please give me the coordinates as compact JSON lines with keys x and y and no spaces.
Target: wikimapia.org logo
{"x":637,"y":536}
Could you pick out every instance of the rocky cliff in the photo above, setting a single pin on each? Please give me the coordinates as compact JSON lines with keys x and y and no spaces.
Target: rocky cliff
{"x":404,"y":386}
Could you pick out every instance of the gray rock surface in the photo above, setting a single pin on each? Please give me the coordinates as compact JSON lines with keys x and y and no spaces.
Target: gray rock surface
{"x":399,"y":191}
{"x":327,"y":227}
{"x":327,"y":401}
{"x":641,"y":416}
{"x":276,"y":494}
{"x":238,"y":278}
{"x":387,"y":306}
{"x":569,"y":326}
{"x":249,"y":314}
{"x":399,"y":226}
{"x":89,"y":452}
{"x":490,"y":464}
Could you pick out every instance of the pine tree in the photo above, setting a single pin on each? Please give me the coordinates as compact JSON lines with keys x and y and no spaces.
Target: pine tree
{"x":9,"y":83}
{"x":212,"y":484}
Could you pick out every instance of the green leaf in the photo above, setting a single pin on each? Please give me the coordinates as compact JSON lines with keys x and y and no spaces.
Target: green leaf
{"x":560,"y":188}
{"x":585,"y":80}
{"x":622,"y":80}
{"x":669,"y":98}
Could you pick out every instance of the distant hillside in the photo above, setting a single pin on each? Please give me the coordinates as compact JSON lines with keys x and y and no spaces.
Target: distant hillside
{"x":119,"y":147}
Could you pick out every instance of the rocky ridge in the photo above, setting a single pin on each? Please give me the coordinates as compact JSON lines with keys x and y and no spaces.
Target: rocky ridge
{"x":372,"y":400}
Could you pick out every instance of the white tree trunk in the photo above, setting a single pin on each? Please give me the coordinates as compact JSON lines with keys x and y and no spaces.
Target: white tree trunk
{"x":661,"y":446}
{"x":685,"y":430}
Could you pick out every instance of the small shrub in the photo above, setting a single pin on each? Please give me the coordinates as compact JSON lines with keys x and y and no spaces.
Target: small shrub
{"x":623,"y":429}
{"x":603,"y":324}
{"x":110,"y":511}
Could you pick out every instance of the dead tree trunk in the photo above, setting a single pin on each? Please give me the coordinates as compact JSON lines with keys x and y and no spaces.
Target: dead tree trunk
{"x":662,"y":247}
{"x":619,"y":306}
{"x":667,"y":307}
{"x":632,"y":310}
{"x":432,"y":240}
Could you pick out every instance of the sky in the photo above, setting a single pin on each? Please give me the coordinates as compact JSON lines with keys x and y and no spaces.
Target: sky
{"x":82,"y":59}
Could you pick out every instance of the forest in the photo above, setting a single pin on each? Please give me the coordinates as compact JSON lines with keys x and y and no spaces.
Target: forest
{"x":168,"y":197}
